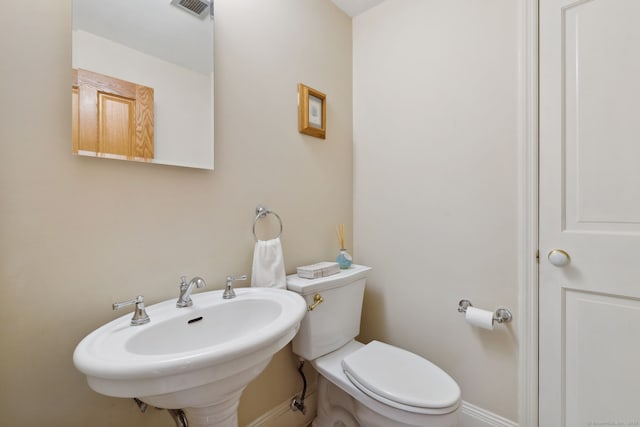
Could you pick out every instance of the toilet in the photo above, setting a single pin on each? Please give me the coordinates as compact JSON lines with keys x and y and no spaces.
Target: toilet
{"x":368,"y":385}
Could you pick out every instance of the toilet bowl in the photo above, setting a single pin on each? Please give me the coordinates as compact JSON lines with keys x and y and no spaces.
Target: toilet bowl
{"x":374,"y":384}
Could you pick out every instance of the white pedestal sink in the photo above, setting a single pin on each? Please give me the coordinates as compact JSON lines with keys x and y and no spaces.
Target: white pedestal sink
{"x":198,"y":359}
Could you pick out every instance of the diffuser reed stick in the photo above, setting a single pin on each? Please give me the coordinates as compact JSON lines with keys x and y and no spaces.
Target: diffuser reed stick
{"x":340,"y":233}
{"x":344,"y":260}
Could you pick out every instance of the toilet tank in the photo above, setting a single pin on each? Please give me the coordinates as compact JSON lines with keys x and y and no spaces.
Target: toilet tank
{"x":335,"y":321}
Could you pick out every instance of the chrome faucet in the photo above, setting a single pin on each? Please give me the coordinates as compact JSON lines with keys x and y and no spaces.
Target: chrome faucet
{"x":184,"y":300}
{"x":228,"y":289}
{"x":140,"y":316}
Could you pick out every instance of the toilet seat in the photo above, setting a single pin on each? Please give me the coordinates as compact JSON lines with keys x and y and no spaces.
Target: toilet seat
{"x":401,"y":379}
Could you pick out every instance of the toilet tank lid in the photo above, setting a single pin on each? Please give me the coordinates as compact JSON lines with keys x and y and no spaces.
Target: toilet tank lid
{"x":309,"y":286}
{"x":400,"y":376}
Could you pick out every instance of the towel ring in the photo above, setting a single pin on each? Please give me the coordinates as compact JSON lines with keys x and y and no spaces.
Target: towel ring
{"x":261,"y":212}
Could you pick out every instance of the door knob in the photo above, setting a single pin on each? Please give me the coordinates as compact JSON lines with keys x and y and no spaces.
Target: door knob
{"x":558,"y":257}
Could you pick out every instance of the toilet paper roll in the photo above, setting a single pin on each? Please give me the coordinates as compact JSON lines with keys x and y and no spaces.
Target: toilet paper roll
{"x":481,"y":318}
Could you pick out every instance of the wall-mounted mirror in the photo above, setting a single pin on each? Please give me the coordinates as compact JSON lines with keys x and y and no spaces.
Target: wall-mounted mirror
{"x":143,"y":80}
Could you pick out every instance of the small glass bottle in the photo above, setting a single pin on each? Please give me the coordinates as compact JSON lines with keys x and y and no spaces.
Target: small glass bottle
{"x":344,"y":260}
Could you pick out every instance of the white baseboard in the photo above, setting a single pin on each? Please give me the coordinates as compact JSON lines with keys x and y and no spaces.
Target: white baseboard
{"x":474,"y":416}
{"x":283,"y":416}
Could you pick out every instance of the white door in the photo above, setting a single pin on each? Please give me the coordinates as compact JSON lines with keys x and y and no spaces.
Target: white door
{"x":590,"y":208}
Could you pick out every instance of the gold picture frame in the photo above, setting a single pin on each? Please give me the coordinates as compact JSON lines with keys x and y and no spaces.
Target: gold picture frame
{"x":312,"y":112}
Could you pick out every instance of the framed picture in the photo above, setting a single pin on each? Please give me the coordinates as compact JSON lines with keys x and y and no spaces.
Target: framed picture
{"x":312,"y":111}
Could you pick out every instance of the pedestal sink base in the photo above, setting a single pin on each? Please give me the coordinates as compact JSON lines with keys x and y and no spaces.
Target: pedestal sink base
{"x":223,"y":414}
{"x":214,"y":404}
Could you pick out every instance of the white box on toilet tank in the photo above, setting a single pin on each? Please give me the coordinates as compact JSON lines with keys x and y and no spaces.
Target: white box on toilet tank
{"x":335,"y":321}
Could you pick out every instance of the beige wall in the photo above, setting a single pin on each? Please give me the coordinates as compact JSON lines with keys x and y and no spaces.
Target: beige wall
{"x":77,"y":234}
{"x":435,"y":211}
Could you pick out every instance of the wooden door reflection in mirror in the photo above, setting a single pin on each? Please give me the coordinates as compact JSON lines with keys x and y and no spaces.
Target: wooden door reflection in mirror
{"x":111,"y":117}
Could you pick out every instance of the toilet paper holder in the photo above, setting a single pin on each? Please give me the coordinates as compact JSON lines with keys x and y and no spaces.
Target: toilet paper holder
{"x":501,"y":315}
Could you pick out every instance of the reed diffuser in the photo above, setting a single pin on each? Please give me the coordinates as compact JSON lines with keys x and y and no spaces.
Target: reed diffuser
{"x":344,"y":260}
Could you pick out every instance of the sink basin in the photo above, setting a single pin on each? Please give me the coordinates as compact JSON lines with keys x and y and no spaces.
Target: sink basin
{"x":199,"y":358}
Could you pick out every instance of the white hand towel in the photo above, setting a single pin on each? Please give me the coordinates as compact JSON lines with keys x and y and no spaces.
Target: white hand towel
{"x":268,"y":265}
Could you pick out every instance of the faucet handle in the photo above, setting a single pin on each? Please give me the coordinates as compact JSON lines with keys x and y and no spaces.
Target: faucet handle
{"x":228,"y":290}
{"x":236,"y":278}
{"x":140,"y":316}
